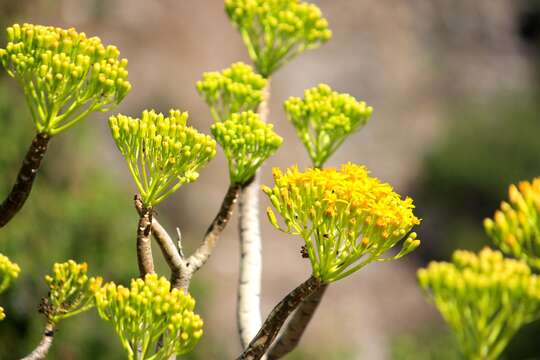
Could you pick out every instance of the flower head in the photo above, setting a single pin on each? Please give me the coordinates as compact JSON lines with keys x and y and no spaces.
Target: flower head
{"x":70,"y":290}
{"x":484,"y":298}
{"x":162,"y":153}
{"x":515,"y":228}
{"x":8,"y":272}
{"x":147,"y":311}
{"x":347,"y":218}
{"x":64,"y":74}
{"x":247,"y":142}
{"x":276,"y":31}
{"x":235,"y":89}
{"x":324,"y":119}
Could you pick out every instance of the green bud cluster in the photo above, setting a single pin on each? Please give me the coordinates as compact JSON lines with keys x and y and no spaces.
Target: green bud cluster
{"x":64,"y":74}
{"x":8,"y":272}
{"x":162,"y":153}
{"x":147,"y":312}
{"x":347,"y":218}
{"x":71,"y":291}
{"x":484,"y":298}
{"x":515,"y":228}
{"x":247,"y":142}
{"x":276,"y":31}
{"x":235,"y":89}
{"x":324,"y":119}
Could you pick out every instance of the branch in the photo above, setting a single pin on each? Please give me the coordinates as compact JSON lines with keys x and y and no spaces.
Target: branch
{"x":144,"y":245}
{"x":292,"y":334}
{"x":273,"y":323}
{"x":248,"y":310}
{"x":40,"y":352}
{"x":25,"y":179}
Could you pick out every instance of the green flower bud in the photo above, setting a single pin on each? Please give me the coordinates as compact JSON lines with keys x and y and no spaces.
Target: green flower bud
{"x":324,"y":119}
{"x":276,"y":31}
{"x":484,"y":298}
{"x":158,"y":151}
{"x":149,"y":312}
{"x":235,"y":89}
{"x":247,"y":142}
{"x":65,"y":75}
{"x":515,"y":228}
{"x":8,"y":272}
{"x":346,"y":218}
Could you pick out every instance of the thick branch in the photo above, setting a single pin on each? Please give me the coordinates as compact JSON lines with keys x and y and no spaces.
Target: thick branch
{"x":40,"y":352}
{"x":25,"y":179}
{"x":292,"y":334}
{"x":248,"y":309}
{"x":273,"y":323}
{"x":144,"y":245}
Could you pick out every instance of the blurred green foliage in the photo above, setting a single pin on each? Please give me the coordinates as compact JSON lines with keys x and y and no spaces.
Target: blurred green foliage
{"x":434,"y":344}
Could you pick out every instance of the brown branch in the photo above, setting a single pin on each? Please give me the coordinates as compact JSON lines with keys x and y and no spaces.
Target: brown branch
{"x":294,"y":330}
{"x":273,"y":323}
{"x":144,"y":245}
{"x":41,"y":351}
{"x":25,"y":179}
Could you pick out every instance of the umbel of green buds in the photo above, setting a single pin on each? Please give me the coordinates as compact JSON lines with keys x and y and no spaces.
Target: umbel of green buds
{"x":162,"y":153}
{"x":71,"y":291}
{"x":8,"y":272}
{"x":515,"y":228}
{"x":235,"y":89}
{"x":247,"y":142}
{"x":150,"y":312}
{"x":276,"y":31}
{"x":324,"y":119}
{"x":346,"y":218}
{"x":484,"y":298}
{"x":64,"y":74}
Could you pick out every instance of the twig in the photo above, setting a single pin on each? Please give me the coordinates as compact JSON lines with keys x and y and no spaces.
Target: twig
{"x":248,"y":310}
{"x":40,"y":352}
{"x":25,"y":179}
{"x":144,"y":245}
{"x":294,"y":330}
{"x":273,"y":323}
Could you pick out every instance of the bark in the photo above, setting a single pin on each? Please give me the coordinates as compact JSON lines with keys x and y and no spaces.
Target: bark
{"x":292,"y":334}
{"x":273,"y":323}
{"x":144,"y":245}
{"x":25,"y":179}
{"x":41,"y":351}
{"x":248,"y":312}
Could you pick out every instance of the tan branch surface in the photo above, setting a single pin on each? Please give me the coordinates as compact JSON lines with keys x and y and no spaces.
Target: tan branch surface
{"x":273,"y":323}
{"x":144,"y":244}
{"x":294,"y":330}
{"x":248,"y":309}
{"x":41,"y":351}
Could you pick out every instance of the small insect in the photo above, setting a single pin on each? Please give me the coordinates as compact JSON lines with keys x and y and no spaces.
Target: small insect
{"x":304,"y":252}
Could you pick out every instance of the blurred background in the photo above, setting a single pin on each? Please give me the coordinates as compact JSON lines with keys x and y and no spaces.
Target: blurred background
{"x":455,"y":87}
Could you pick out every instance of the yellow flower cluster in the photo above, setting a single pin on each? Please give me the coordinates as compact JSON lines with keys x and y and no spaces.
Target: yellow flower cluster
{"x":276,"y":31}
{"x":233,"y":90}
{"x":147,"y":312}
{"x":65,"y":75}
{"x":484,"y":298}
{"x":247,"y":142}
{"x":70,"y":290}
{"x":347,"y":218}
{"x":515,"y":228}
{"x":324,"y":119}
{"x":162,"y":153}
{"x":8,"y":272}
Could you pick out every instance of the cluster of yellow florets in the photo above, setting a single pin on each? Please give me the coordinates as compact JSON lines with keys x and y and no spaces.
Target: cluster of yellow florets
{"x":70,"y":290}
{"x":275,"y":31}
{"x":147,"y":312}
{"x":516,"y":226}
{"x":8,"y":272}
{"x":484,"y":297}
{"x":65,"y":75}
{"x":324,"y":118}
{"x":162,"y":152}
{"x":233,"y":90}
{"x":346,"y":217}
